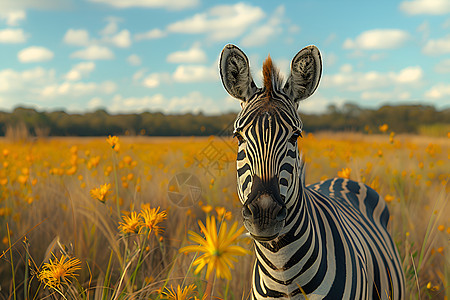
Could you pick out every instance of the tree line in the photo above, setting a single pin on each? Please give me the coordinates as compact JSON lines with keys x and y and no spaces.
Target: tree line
{"x":349,"y":117}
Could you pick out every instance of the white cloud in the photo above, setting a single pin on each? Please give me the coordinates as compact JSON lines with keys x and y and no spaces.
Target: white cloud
{"x":438,"y":91}
{"x":318,"y":103}
{"x":195,"y":73}
{"x":77,"y":89}
{"x":261,"y":34}
{"x":76,"y":37}
{"x":139,"y":74}
{"x":168,"y":4}
{"x":346,"y":68}
{"x":151,"y":81}
{"x":385,"y":96}
{"x":12,"y":36}
{"x":80,"y":37}
{"x":110,"y":35}
{"x":378,"y":39}
{"x":438,"y":46}
{"x":95,"y":102}
{"x":111,"y":27}
{"x":349,"y":80}
{"x":135,"y":104}
{"x":121,"y":39}
{"x":93,"y":52}
{"x":80,"y":70}
{"x":13,"y":81}
{"x":11,"y":5}
{"x":221,"y":22}
{"x":407,"y":75}
{"x":34,"y":54}
{"x":191,"y":102}
{"x":443,"y":66}
{"x":193,"y":55}
{"x":155,"y":79}
{"x":134,"y":60}
{"x":13,"y":17}
{"x":150,"y":35}
{"x":425,"y":7}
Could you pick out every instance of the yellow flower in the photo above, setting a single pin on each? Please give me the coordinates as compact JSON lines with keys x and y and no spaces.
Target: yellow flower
{"x":180,"y":294}
{"x":152,"y":217}
{"x":217,"y":248}
{"x":59,"y":271}
{"x":388,"y":198}
{"x":383,"y":128}
{"x":113,"y":141}
{"x":127,"y":159}
{"x":101,"y":193}
{"x":345,"y":173}
{"x":131,"y":224}
{"x":391,"y":137}
{"x":220,"y":210}
{"x":207,"y":208}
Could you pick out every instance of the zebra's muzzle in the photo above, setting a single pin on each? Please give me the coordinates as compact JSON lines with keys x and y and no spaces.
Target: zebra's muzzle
{"x":264,"y":212}
{"x":264,"y":218}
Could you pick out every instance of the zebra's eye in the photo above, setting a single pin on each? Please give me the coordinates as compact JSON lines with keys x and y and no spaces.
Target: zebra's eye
{"x":239,"y":137}
{"x":295,"y":135}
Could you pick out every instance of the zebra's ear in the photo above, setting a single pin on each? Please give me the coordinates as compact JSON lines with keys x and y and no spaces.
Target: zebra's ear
{"x":235,"y":73}
{"x":306,"y":69}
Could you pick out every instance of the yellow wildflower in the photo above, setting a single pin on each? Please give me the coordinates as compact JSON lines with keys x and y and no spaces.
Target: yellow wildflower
{"x":152,"y":217}
{"x":131,"y":224}
{"x":180,"y":293}
{"x":113,"y":141}
{"x":345,"y":173}
{"x":59,"y":271}
{"x":207,"y":208}
{"x":383,"y":128}
{"x":221,"y":211}
{"x":388,"y":198}
{"x":391,"y":137}
{"x":101,"y":193}
{"x":217,"y":247}
{"x":127,"y":159}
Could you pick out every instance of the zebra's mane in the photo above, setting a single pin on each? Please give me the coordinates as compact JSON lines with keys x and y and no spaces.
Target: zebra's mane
{"x":271,"y":76}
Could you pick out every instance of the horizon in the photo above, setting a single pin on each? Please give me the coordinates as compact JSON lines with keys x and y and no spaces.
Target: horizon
{"x":132,"y":56}
{"x":340,"y":109}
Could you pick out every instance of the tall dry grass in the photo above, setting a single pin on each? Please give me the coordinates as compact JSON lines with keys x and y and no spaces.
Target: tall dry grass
{"x":45,"y":196}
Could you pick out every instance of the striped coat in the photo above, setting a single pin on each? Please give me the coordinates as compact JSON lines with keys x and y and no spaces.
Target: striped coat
{"x":324,"y":241}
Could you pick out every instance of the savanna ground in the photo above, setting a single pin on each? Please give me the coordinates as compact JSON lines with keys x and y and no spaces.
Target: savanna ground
{"x":63,"y":198}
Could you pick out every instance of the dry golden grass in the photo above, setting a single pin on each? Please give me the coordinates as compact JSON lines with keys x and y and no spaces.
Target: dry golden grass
{"x":45,"y":195}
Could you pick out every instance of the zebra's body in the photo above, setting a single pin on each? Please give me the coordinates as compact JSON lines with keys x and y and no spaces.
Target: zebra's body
{"x":324,"y":241}
{"x":325,"y":256}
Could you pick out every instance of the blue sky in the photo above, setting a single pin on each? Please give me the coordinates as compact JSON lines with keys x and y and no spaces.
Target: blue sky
{"x":162,"y":55}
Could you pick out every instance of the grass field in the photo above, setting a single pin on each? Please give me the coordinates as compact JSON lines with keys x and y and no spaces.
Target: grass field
{"x":63,"y":198}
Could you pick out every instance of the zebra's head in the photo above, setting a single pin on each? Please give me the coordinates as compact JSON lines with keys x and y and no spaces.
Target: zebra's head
{"x":267,"y":129}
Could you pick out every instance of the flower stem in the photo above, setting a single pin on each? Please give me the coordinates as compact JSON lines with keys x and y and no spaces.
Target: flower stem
{"x":116,"y":183}
{"x":210,"y":285}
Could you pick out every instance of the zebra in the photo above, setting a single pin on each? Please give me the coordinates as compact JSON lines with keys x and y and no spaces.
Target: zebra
{"x":322,"y":241}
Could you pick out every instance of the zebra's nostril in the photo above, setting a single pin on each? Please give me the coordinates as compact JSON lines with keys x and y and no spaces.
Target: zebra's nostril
{"x":246,"y":212}
{"x":281,"y":215}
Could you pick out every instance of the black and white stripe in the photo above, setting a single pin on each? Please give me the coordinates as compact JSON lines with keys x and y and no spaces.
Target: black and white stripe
{"x":334,"y":243}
